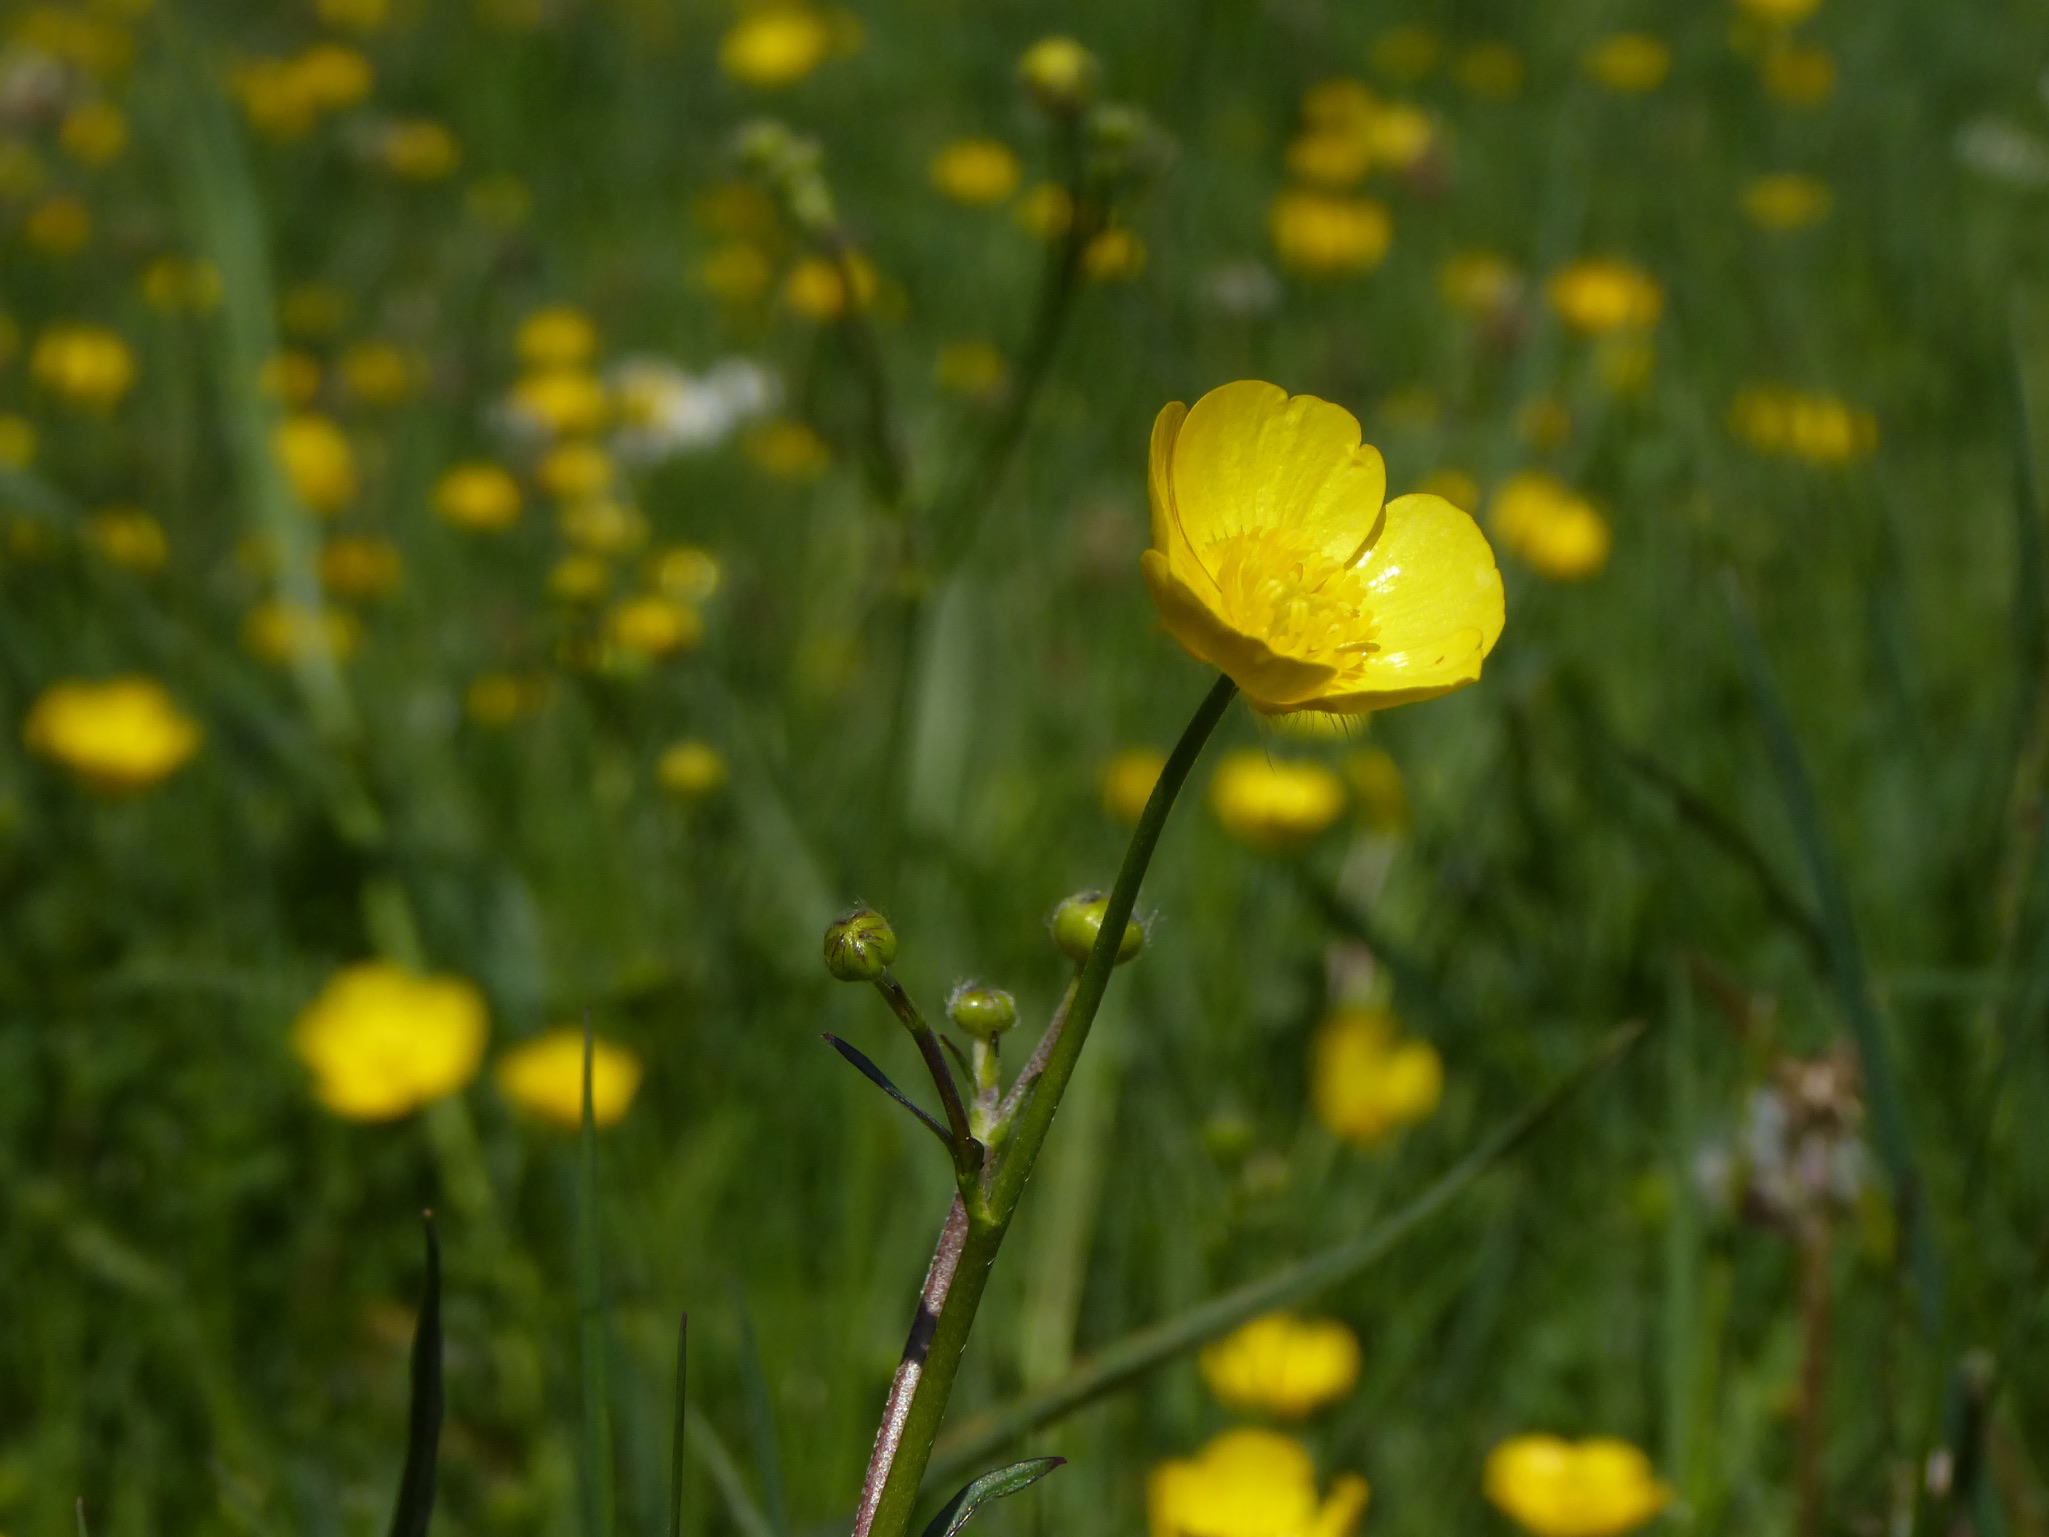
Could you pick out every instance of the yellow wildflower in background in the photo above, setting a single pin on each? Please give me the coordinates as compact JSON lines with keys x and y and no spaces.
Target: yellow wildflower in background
{"x":1406,"y":53}
{"x":17,"y":441}
{"x":128,"y":537}
{"x":1822,"y":429}
{"x":1273,"y":803}
{"x":1114,"y":255}
{"x":380,"y":373}
{"x":976,"y":171}
{"x":1128,"y":780}
{"x":276,"y":631}
{"x":1601,"y":294}
{"x":1786,"y":200}
{"x":1779,"y":13}
{"x":561,"y":400}
{"x":174,"y":284}
{"x":314,"y":310}
{"x":686,"y":573}
{"x":500,"y":698}
{"x":1251,"y":1483}
{"x":1554,"y":529}
{"x":357,"y":567}
{"x":419,"y":149}
{"x":382,"y":1041}
{"x":580,"y":578}
{"x":117,"y":735}
{"x":292,"y":377}
{"x":1376,"y":780}
{"x":816,"y":287}
{"x":1400,"y":135}
{"x":355,"y":15}
{"x":972,"y":368}
{"x":559,"y":336}
{"x":691,"y":770}
{"x":317,"y":460}
{"x":1479,"y":283}
{"x":1322,"y":234}
{"x":1059,"y":72}
{"x":334,"y":76}
{"x":93,"y":132}
{"x":788,"y":450}
{"x":1366,"y":1081}
{"x":603,"y":527}
{"x":651,"y":627}
{"x":1330,"y":157}
{"x":1046,"y":211}
{"x":1282,"y":1365}
{"x":775,"y":46}
{"x":1556,"y":1488}
{"x":1633,"y":63}
{"x":544,"y":1077}
{"x":97,"y":45}
{"x":89,"y":366}
{"x":737,"y":272}
{"x":574,"y":470}
{"x":1274,"y":559}
{"x":478,"y":495}
{"x":1800,"y":74}
{"x":58,"y":226}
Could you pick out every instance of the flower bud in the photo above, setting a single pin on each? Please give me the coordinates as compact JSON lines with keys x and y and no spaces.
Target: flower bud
{"x":983,"y":1012}
{"x":1078,"y":920}
{"x":1060,"y":73}
{"x":860,"y":946}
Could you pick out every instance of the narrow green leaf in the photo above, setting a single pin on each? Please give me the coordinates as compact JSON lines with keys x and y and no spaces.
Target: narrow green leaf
{"x":415,"y":1507}
{"x":875,"y":1075}
{"x":768,"y":1467}
{"x":598,"y":1494}
{"x":676,"y":1436}
{"x":959,"y":1510}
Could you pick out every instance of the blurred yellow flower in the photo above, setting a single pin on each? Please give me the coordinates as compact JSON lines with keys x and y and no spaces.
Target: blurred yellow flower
{"x":1376,"y":780}
{"x":1633,"y":63}
{"x":172,"y":284}
{"x":1492,"y":71}
{"x":292,"y":377}
{"x":574,"y":470}
{"x":317,"y":460}
{"x":816,"y":289}
{"x":1786,"y":200}
{"x":686,"y":573}
{"x":94,"y":132}
{"x":1781,"y":13}
{"x":737,"y":272}
{"x":276,"y":632}
{"x":419,"y":149}
{"x":1113,"y":255}
{"x":1046,"y":211}
{"x":334,"y":75}
{"x":89,"y":366}
{"x":1800,"y":74}
{"x":1552,"y":528}
{"x":284,"y":98}
{"x":314,"y":310}
{"x":1128,"y":780}
{"x":1338,"y":105}
{"x":776,"y":45}
{"x":1556,"y":1488}
{"x":1602,"y":294}
{"x":1406,"y":53}
{"x":380,"y":373}
{"x":561,"y":400}
{"x":544,"y":1077}
{"x":98,"y":45}
{"x":17,"y":441}
{"x":650,"y":627}
{"x":1366,"y":1081}
{"x":972,"y":368}
{"x":354,"y":566}
{"x":1456,"y":487}
{"x":500,"y":698}
{"x":1624,"y":361}
{"x":559,"y":336}
{"x":1274,"y":559}
{"x":1400,"y":135}
{"x":1251,"y":1483}
{"x":58,"y":226}
{"x":478,"y":495}
{"x":355,"y":15}
{"x":128,"y":537}
{"x":1059,"y":72}
{"x":1822,"y":429}
{"x":580,"y":578}
{"x":1543,"y":422}
{"x":788,"y":450}
{"x":1282,"y":1365}
{"x":117,"y":735}
{"x":976,"y":171}
{"x":382,"y":1041}
{"x":1323,"y":234}
{"x":602,"y":527}
{"x":691,"y":770}
{"x":1273,"y":803}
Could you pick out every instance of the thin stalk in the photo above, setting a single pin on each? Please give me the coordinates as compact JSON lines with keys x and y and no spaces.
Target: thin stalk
{"x":967,"y":1248}
{"x":1816,"y":1313}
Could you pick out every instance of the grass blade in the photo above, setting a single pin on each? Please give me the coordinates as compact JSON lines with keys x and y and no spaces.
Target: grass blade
{"x":960,"y":1510}
{"x":768,"y":1467}
{"x":415,"y":1507}
{"x":676,"y":1436}
{"x":709,"y":1449}
{"x":990,"y":1431}
{"x":598,"y":1494}
{"x":1845,"y":956}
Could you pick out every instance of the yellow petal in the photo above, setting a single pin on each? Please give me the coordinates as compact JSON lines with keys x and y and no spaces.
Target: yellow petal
{"x":1250,"y":457}
{"x":1270,"y":682}
{"x":1160,"y":473}
{"x":1341,"y":1512}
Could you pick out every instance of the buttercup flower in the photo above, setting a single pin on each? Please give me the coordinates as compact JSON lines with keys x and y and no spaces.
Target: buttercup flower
{"x":544,"y":1077}
{"x":686,"y":573}
{"x":1251,"y":1483}
{"x":1116,"y":254}
{"x":651,"y":627}
{"x":122,"y":734}
{"x":559,"y":400}
{"x":1600,"y":295}
{"x":1633,"y":63}
{"x":1781,"y":13}
{"x":1557,"y":1488}
{"x":976,"y":171}
{"x":775,"y":46}
{"x":500,"y":698}
{"x":172,"y":284}
{"x":1046,"y":211}
{"x":88,"y":365}
{"x":17,"y":441}
{"x":1274,"y":804}
{"x":971,"y":368}
{"x":1367,"y":1082}
{"x":1786,"y":200}
{"x":58,"y":226}
{"x":788,"y":450}
{"x":130,"y":537}
{"x":478,"y":495}
{"x":1274,"y":559}
{"x":1800,"y":74}
{"x":817,"y":290}
{"x":419,"y":149}
{"x":1282,"y":1365}
{"x":603,"y":527}
{"x":275,"y":631}
{"x":691,"y":770}
{"x":380,"y":373}
{"x":1479,"y":282}
{"x":557,"y":337}
{"x":575,"y":470}
{"x":1323,"y":234}
{"x":1128,"y":781}
{"x":94,"y":132}
{"x":1059,"y":72}
{"x":1553,"y":528}
{"x":356,"y":567}
{"x":292,"y":377}
{"x":317,"y":461}
{"x":1822,"y":429}
{"x":382,"y":1041}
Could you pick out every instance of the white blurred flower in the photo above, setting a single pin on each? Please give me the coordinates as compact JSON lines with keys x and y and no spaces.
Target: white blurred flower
{"x":664,"y":410}
{"x":1243,"y":288}
{"x":2003,"y":151}
{"x":32,"y":86}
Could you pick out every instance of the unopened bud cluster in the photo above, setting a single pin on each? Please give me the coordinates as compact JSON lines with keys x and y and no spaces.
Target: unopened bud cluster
{"x":792,"y":166}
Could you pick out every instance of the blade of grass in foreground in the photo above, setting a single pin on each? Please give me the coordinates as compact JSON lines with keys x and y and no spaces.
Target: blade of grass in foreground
{"x":978,"y":1437}
{"x":415,"y":1509}
{"x":768,"y":1466}
{"x":1846,"y":958}
{"x":590,"y":1308}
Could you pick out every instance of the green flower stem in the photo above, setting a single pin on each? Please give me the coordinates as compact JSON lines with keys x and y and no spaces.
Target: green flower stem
{"x":967,"y":1152}
{"x":971,"y":1239}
